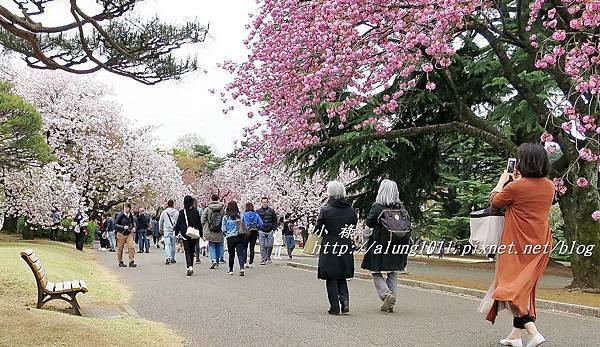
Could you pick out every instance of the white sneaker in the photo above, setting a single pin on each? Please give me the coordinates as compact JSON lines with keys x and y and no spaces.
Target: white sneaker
{"x":230,"y":273}
{"x":537,"y":340}
{"x":514,"y":343}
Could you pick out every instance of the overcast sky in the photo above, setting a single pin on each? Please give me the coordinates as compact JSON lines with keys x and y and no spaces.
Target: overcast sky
{"x":186,"y":106}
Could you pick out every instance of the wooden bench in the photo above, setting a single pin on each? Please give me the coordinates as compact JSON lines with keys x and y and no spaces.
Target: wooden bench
{"x":48,"y":290}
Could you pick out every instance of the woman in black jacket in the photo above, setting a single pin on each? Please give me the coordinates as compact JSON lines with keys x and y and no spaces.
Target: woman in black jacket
{"x":380,"y":258}
{"x":189,"y":244}
{"x":336,"y":223}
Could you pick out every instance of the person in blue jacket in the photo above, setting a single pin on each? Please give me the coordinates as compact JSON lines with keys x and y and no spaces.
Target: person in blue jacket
{"x":231,"y":226}
{"x":253,"y":223}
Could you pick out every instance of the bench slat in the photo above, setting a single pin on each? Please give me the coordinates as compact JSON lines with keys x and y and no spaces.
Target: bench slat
{"x":44,"y":279}
{"x":66,"y":286}
{"x":37,"y":265}
{"x":27,"y":252}
{"x":75,"y":285}
{"x":83,"y":286}
{"x":33,"y":257}
{"x":49,"y":287}
{"x":58,"y":287}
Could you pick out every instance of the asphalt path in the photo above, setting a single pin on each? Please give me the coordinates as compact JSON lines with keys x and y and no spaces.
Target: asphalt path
{"x":279,"y":305}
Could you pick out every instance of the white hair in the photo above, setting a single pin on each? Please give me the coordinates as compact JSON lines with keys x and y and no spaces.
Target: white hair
{"x":336,"y":190}
{"x":388,"y":193}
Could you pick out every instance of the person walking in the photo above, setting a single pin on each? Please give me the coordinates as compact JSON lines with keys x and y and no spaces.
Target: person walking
{"x":527,"y":201}
{"x":125,"y":226}
{"x":278,"y":239}
{"x":101,"y":233}
{"x":265,"y":235}
{"x":253,"y":223}
{"x":384,"y":266}
{"x":166,"y":225}
{"x":197,"y":250}
{"x":232,"y":227}
{"x":288,"y":233}
{"x":155,"y":231}
{"x":188,"y":217}
{"x":110,"y":232}
{"x":81,"y":230}
{"x":212,"y":217}
{"x":336,"y":260}
{"x":143,"y":223}
{"x":56,"y":219}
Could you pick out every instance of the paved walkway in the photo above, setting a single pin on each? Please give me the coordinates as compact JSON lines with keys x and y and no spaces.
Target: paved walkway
{"x":278,"y":305}
{"x":421,"y":268}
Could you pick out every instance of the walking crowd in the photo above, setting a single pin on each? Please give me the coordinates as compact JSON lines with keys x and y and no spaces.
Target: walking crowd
{"x":525,"y":194}
{"x":200,"y":232}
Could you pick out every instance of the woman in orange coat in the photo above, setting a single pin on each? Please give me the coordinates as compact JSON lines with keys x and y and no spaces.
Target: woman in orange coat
{"x":528,"y":241}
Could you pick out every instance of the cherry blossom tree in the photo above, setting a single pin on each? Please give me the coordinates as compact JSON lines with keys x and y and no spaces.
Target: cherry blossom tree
{"x":315,"y":65}
{"x":102,"y":161}
{"x":249,"y":180}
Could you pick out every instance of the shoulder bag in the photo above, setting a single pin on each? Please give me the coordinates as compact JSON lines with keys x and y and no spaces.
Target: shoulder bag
{"x":191,"y":232}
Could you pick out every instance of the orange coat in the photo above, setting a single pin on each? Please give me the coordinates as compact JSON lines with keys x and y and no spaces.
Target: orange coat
{"x":526,"y":224}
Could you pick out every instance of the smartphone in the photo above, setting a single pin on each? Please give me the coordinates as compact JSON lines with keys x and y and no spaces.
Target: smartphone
{"x":511,"y":167}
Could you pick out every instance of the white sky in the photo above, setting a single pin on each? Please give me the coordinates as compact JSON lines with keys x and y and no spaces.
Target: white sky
{"x":186,"y":106}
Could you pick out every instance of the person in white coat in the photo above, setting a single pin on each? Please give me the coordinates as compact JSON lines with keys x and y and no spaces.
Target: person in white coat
{"x":166,"y":223}
{"x":278,"y":239}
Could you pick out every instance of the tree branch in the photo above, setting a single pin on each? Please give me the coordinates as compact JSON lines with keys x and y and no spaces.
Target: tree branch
{"x":410,"y":132}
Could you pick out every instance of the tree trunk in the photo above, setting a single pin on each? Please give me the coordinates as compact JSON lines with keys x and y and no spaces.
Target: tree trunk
{"x":10,"y":224}
{"x":577,"y":208}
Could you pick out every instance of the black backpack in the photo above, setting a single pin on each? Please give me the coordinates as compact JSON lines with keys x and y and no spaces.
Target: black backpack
{"x":396,"y":221}
{"x":214,"y":222}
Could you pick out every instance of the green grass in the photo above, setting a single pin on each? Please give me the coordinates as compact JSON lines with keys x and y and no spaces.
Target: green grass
{"x":62,"y":263}
{"x":27,"y":326}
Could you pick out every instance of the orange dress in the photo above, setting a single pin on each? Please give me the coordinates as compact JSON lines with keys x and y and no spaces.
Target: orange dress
{"x":527,"y":229}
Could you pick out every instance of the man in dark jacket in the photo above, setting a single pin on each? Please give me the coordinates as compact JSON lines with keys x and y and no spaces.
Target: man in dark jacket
{"x":265,"y":236}
{"x":125,"y":226}
{"x":143,"y":222}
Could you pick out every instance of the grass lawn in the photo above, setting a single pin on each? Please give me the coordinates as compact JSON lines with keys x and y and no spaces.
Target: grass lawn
{"x":54,"y":325}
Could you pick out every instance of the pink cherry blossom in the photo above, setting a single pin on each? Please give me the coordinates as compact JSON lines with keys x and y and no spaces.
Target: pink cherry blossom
{"x":559,"y":35}
{"x":546,"y":137}
{"x":582,"y":182}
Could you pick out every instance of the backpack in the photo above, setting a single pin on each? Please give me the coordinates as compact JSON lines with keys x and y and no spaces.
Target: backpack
{"x":214,"y":222}
{"x":252,"y":226}
{"x":396,"y":222}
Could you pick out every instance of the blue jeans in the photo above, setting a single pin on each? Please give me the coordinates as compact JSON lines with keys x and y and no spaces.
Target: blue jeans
{"x":290,"y":243}
{"x":266,"y":244}
{"x":143,"y":240}
{"x":169,"y":245}
{"x":216,"y":250}
{"x":112,"y":240}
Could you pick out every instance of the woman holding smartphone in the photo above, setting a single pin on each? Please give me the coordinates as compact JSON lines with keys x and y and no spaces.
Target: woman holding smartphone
{"x":527,"y":201}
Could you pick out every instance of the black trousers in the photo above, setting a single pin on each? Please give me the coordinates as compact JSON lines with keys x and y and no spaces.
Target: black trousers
{"x":337,"y":292}
{"x":80,"y":240}
{"x":237,"y":244}
{"x":189,"y":246}
{"x":251,"y":245}
{"x":519,"y":322}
